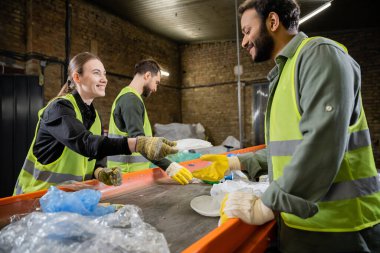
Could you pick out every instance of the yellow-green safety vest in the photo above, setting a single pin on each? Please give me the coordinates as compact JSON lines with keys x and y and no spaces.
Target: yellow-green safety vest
{"x":353,"y":201}
{"x":69,"y":166}
{"x":135,"y":161}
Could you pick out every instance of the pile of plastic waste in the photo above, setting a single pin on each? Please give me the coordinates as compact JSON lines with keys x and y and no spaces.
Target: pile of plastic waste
{"x":62,"y":230}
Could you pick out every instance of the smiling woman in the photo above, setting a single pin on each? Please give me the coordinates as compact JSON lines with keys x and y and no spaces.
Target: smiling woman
{"x":68,"y":145}
{"x":87,"y":75}
{"x":92,"y":83}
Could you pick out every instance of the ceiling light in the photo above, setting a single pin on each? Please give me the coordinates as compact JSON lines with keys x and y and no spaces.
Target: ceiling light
{"x":315,"y":12}
{"x":164,"y":73}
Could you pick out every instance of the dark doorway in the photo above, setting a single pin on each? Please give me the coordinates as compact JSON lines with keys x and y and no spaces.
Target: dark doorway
{"x":21,"y":97}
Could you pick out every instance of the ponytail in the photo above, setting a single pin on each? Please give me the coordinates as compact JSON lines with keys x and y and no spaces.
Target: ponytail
{"x":67,"y":88}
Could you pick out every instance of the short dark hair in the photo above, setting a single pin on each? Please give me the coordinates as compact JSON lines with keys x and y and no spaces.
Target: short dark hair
{"x":147,"y":65}
{"x":287,"y":10}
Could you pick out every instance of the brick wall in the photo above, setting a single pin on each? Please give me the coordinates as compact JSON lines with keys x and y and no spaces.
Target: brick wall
{"x":209,"y":91}
{"x":118,"y":43}
{"x":12,"y":26}
{"x":215,"y":105}
{"x":12,"y":30}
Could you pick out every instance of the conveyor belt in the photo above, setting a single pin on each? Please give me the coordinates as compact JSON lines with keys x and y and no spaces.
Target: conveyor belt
{"x":167,"y":208}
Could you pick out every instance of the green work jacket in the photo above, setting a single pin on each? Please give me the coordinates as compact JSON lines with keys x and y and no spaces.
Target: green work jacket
{"x":355,"y":186}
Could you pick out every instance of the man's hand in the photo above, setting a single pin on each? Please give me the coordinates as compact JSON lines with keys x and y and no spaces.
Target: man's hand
{"x":179,"y":173}
{"x":246,"y":206}
{"x":155,"y":148}
{"x":221,"y":166}
{"x":109,"y":176}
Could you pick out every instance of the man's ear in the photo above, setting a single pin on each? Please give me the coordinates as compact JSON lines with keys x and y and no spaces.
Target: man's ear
{"x":147,"y":75}
{"x":273,"y":21}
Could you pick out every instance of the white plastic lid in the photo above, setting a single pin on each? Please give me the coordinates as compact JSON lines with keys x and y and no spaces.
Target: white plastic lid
{"x":205,"y":205}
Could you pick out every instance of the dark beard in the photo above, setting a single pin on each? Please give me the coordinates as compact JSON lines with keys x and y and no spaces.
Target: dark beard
{"x":264,"y":45}
{"x":146,"y":92}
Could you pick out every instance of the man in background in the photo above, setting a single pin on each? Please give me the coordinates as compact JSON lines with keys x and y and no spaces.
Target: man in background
{"x":130,"y":118}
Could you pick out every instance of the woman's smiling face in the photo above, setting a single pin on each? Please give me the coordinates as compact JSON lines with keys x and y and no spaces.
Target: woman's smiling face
{"x":92,"y":82}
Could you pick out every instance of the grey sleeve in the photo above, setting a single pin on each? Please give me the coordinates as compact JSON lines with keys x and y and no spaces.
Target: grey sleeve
{"x":255,"y":163}
{"x":327,"y":77}
{"x":163,"y":163}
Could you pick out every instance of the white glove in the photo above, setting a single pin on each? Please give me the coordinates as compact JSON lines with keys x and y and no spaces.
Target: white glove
{"x":179,"y":173}
{"x":234,"y":163}
{"x":246,"y":206}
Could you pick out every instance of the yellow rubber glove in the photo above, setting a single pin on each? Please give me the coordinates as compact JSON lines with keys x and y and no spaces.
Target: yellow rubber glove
{"x":109,"y":176}
{"x":155,"y":148}
{"x":246,"y":206}
{"x":179,"y":173}
{"x":216,"y":170}
{"x":223,"y":217}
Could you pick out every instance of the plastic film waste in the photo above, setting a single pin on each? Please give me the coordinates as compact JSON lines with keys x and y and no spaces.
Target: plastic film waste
{"x":123,"y":231}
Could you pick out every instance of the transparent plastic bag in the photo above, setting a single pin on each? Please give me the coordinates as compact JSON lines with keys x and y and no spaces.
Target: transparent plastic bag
{"x":219,"y":190}
{"x":123,"y":231}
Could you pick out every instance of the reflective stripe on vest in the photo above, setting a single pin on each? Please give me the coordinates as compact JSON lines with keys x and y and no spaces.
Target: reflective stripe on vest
{"x":359,"y":139}
{"x":134,"y":162}
{"x":69,"y":166}
{"x":353,"y":189}
{"x":18,"y":189}
{"x":286,"y":148}
{"x":348,"y":205}
{"x":115,"y":136}
{"x":50,"y":176}
{"x":127,"y":159}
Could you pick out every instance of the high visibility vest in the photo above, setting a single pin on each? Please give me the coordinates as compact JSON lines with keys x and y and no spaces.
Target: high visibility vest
{"x":135,"y":161}
{"x":69,"y":166}
{"x":353,"y":201}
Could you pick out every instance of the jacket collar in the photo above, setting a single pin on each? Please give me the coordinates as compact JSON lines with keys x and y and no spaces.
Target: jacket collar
{"x":287,"y":52}
{"x":83,"y":107}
